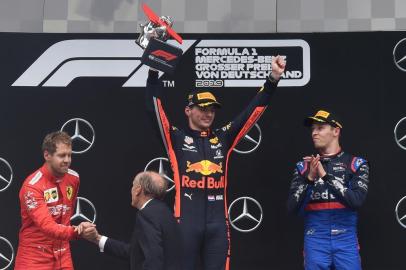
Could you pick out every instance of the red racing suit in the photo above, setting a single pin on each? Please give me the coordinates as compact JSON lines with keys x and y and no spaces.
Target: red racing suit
{"x":47,"y":204}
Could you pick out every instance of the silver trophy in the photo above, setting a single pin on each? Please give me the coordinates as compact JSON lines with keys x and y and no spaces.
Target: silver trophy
{"x":151,"y":30}
{"x":152,"y":38}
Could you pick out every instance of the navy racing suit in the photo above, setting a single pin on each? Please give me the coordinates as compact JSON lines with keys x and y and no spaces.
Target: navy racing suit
{"x":199,"y":161}
{"x":329,"y":206}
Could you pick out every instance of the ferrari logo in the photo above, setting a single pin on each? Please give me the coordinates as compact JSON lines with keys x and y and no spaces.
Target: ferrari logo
{"x":69,"y":192}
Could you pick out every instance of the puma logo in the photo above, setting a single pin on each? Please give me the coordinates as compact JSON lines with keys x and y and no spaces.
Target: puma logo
{"x":189,"y":195}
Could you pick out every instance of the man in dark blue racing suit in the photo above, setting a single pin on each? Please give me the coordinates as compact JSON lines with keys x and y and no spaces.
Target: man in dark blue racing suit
{"x":328,"y":189}
{"x":199,"y":159}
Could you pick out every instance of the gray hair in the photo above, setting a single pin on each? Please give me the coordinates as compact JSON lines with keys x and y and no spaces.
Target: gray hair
{"x":152,"y":184}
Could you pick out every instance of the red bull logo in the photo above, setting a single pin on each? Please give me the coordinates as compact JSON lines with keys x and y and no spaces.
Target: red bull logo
{"x":209,"y":182}
{"x":204,"y":167}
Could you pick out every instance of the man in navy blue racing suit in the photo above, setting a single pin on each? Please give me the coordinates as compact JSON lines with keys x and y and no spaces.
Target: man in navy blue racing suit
{"x":328,"y":189}
{"x":199,"y":159}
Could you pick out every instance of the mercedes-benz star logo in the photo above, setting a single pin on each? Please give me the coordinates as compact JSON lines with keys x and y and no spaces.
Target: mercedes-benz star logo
{"x":247,"y":217}
{"x":400,"y":212}
{"x":248,"y":144}
{"x":82,"y":134}
{"x":6,"y":253}
{"x":399,"y":55}
{"x":6,"y":174}
{"x":162,"y":166}
{"x":400,"y":133}
{"x":85,"y":211}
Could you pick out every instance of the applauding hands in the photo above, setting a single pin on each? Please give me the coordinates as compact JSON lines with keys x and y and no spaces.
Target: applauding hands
{"x":316,"y":170}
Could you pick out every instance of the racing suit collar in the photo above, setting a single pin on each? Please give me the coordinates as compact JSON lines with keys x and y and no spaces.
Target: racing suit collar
{"x":44,"y":169}
{"x":333,"y":156}
{"x":196,"y":133}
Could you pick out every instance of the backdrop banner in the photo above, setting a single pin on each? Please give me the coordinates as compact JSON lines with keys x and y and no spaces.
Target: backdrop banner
{"x":93,"y":87}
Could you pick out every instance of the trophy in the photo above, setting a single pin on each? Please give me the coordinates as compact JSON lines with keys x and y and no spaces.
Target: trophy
{"x":157,"y":53}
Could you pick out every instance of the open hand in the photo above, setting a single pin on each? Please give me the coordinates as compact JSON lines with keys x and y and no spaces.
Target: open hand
{"x":313,"y":162}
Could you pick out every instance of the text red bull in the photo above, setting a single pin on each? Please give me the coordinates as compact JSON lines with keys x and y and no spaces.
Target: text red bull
{"x":208,"y":182}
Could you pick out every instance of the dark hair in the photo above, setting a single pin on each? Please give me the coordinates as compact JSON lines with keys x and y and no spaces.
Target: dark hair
{"x":152,"y":184}
{"x":53,"y":138}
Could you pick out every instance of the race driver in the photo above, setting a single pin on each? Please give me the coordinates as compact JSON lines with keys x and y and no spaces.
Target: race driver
{"x":199,"y":159}
{"x":47,"y":198}
{"x":328,"y":188}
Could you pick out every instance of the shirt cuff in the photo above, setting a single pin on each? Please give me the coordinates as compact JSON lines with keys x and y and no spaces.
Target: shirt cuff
{"x":328,"y":178}
{"x":307,"y":181}
{"x":102,"y":242}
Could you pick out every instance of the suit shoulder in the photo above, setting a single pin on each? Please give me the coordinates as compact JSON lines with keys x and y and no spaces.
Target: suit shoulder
{"x":73,"y":173}
{"x":157,"y":210}
{"x":72,"y":177}
{"x":34,"y":179}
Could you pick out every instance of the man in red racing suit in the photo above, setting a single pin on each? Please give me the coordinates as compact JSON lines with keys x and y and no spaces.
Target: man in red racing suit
{"x":47,"y":199}
{"x":199,"y":159}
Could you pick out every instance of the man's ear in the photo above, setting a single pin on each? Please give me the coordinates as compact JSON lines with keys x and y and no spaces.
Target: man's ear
{"x":337,"y":131}
{"x":138,"y":190}
{"x":47,"y":155}
{"x":187,"y":111}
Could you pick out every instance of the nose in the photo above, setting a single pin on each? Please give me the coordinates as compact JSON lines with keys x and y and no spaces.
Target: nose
{"x":67,"y":159}
{"x":209,"y":113}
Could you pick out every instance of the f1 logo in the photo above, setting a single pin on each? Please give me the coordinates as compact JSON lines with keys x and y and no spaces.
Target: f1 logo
{"x":162,"y":54}
{"x":66,"y":60}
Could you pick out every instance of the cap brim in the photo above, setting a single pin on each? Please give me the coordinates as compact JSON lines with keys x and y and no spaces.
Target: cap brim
{"x":310,"y":120}
{"x":209,"y":103}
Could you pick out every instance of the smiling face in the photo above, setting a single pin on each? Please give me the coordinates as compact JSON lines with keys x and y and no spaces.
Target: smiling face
{"x":59,"y":161}
{"x":200,"y":118}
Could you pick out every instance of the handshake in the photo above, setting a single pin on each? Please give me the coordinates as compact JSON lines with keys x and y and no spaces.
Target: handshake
{"x":88,"y":231}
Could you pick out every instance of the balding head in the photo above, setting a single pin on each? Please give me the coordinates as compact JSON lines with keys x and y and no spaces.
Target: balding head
{"x":152,"y":184}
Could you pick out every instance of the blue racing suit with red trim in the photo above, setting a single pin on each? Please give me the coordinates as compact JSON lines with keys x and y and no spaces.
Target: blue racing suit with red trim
{"x":199,"y":162}
{"x":329,"y":206}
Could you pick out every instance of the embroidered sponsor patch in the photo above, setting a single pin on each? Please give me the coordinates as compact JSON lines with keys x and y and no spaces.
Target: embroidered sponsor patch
{"x":51,"y":195}
{"x":301,"y":166}
{"x":60,"y":209}
{"x":356,"y":163}
{"x":30,"y":201}
{"x":188,"y":140}
{"x":214,"y":140}
{"x":69,"y":192}
{"x":215,"y":146}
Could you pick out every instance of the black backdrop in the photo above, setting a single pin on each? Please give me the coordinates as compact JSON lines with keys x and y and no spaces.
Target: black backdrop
{"x":352,"y":73}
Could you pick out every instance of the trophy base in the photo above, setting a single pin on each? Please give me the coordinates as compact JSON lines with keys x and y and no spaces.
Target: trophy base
{"x":161,"y":56}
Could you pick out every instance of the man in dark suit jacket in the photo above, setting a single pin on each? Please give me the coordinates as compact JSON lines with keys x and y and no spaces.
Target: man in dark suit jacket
{"x":155,"y":241}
